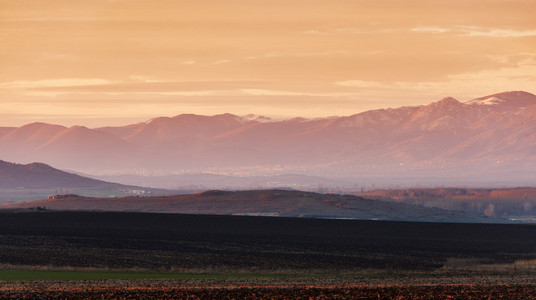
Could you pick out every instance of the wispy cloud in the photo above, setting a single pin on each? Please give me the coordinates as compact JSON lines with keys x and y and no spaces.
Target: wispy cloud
{"x":497,"y":33}
{"x":312,"y":31}
{"x":145,"y":79}
{"x":461,"y":30}
{"x":297,"y":54}
{"x":361,"y":83}
{"x":60,"y":82}
{"x":430,"y":29}
{"x":365,"y":30}
{"x":135,"y":85}
{"x":352,"y":31}
{"x":222,"y":61}
{"x":53,"y":93}
{"x":470,"y":84}
{"x":476,"y":31}
{"x":266,"y":92}
{"x":56,"y":19}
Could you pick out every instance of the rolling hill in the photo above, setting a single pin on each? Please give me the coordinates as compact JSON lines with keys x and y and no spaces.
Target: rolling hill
{"x":285,"y":203}
{"x":512,"y":203}
{"x":34,"y":181}
{"x":39,"y":175}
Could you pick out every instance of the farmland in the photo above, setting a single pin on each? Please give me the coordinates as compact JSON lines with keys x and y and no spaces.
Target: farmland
{"x":237,"y":255}
{"x":296,"y":288}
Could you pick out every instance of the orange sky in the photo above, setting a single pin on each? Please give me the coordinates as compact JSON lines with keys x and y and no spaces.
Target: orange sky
{"x":119,"y":61}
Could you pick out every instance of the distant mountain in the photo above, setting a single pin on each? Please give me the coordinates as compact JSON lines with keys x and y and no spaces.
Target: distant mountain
{"x":37,"y":181}
{"x":491,"y":139}
{"x":39,"y":175}
{"x":62,"y":146}
{"x":259,"y":203}
{"x":506,"y":100}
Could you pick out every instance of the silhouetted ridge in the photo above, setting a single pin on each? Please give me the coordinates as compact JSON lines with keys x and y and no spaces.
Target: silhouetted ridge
{"x":40,"y":175}
{"x":270,"y":203}
{"x":214,"y":193}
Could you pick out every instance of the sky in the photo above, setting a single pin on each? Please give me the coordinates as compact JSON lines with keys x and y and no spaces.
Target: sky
{"x":115,"y":62}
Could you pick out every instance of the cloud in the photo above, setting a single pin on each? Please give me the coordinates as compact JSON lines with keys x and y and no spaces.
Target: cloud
{"x":496,"y":33}
{"x":56,"y":19}
{"x":262,"y":92}
{"x":365,"y":30}
{"x":352,"y":31}
{"x":327,"y":53}
{"x":460,"y":30}
{"x":60,"y":82}
{"x":125,"y":93}
{"x":430,"y":29}
{"x":222,"y":61}
{"x":361,"y":83}
{"x":312,"y":31}
{"x":476,"y":31}
{"x":265,"y":92}
{"x":468,"y":85}
{"x":136,"y":85}
{"x":143,"y":78}
{"x":133,"y":83}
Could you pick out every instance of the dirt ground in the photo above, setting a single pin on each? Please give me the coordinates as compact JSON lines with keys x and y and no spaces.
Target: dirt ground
{"x":412,"y":260}
{"x":227,"y":244}
{"x":401,"y":286}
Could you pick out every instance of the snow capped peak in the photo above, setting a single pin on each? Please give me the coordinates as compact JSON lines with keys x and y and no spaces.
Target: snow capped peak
{"x":507,"y":100}
{"x":486,"y":101}
{"x":257,"y":118}
{"x":513,"y":94}
{"x":253,"y":117}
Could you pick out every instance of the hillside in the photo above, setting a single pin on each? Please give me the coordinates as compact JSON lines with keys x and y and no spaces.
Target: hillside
{"x":35,"y":181}
{"x":516,"y":203}
{"x":259,"y":203}
{"x":488,"y":140}
{"x":39,"y":175}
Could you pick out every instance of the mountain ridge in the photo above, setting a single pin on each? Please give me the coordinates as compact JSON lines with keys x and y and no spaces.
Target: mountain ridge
{"x":40,"y":175}
{"x":34,"y":181}
{"x":444,"y":139}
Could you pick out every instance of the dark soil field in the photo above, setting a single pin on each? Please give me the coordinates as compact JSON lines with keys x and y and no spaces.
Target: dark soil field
{"x":367,"y":258}
{"x":297,"y":288}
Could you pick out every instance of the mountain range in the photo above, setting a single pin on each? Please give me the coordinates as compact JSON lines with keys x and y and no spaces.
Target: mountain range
{"x":491,"y":139}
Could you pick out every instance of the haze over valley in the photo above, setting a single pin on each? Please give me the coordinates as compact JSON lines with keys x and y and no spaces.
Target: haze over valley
{"x":40,"y":186}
